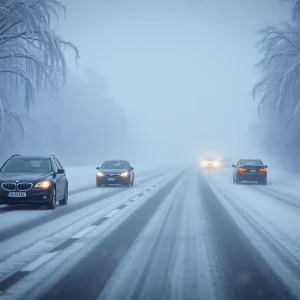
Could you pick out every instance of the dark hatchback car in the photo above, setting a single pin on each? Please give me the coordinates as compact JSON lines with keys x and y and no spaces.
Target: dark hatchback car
{"x":33,"y":180}
{"x":250,"y":170}
{"x":117,"y":172}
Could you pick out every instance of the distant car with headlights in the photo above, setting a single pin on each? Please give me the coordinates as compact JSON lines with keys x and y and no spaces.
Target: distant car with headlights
{"x":250,"y":170}
{"x":226,"y":162}
{"x":210,"y":163}
{"x":116,"y":172}
{"x":33,"y":180}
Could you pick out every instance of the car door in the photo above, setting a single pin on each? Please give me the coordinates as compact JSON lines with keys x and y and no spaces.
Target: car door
{"x":64,"y":178}
{"x":59,"y":181}
{"x":130,"y":171}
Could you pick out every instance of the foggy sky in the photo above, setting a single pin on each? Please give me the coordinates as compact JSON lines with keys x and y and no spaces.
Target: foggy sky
{"x":182,"y":70}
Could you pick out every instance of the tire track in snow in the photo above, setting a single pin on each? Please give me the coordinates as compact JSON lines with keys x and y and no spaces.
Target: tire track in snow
{"x":88,"y":278}
{"x":277,"y":244}
{"x":247,"y":274}
{"x":279,"y":196}
{"x":20,"y":228}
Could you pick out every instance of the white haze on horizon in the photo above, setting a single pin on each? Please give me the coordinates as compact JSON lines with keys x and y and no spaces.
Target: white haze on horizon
{"x":182,"y":71}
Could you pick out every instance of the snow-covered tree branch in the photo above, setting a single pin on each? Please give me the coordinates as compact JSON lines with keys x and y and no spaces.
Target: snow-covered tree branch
{"x":31,"y":53}
{"x":278,"y":91}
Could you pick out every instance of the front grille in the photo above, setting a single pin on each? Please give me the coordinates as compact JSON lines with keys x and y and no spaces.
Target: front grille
{"x":24,"y":186}
{"x":111,"y":175}
{"x":8,"y":186}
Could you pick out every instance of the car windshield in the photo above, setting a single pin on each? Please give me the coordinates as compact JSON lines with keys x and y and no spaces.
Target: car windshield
{"x":114,"y":165}
{"x":34,"y":165}
{"x":251,"y":162}
{"x":209,"y":158}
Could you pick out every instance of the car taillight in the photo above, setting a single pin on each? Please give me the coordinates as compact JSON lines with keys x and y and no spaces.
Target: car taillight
{"x":242,"y":169}
{"x":263,"y":170}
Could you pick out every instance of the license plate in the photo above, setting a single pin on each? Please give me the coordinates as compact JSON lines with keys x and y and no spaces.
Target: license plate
{"x":111,"y":179}
{"x":252,"y":171}
{"x":17,"y":194}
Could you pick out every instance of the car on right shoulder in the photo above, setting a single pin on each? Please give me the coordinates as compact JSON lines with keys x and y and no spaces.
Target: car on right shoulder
{"x":250,"y":170}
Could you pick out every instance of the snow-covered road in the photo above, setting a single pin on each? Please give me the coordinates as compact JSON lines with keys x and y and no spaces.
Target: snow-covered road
{"x":177,"y":234}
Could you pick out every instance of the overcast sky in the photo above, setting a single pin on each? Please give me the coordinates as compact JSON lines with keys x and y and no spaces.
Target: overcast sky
{"x":181,"y":69}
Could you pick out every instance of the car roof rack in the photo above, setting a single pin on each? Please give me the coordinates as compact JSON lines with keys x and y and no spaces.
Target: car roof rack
{"x":15,"y":155}
{"x":52,"y":155}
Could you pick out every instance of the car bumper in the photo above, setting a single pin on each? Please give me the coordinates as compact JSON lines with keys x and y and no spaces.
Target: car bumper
{"x":252,"y":177}
{"x":32,"y":197}
{"x":117,"y":180}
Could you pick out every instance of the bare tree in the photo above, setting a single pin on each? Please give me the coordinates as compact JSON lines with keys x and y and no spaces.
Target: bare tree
{"x":278,"y":90}
{"x":295,"y":9}
{"x":31,"y":53}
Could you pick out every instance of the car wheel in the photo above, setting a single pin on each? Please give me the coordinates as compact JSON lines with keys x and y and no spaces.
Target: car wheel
{"x":132,"y":183}
{"x":98,"y":184}
{"x":66,"y":197}
{"x":233,"y":179}
{"x":52,"y":202}
{"x":264,"y":182}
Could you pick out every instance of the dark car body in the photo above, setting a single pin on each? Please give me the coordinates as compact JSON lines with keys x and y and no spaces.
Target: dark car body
{"x":33,"y":180}
{"x":209,"y":163}
{"x":250,"y":170}
{"x":116,"y":172}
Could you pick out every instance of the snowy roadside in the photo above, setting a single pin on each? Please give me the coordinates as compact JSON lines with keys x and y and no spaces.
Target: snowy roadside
{"x":271,"y":224}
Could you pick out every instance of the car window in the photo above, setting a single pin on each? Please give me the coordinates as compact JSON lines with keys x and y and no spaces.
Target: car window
{"x":114,"y":165}
{"x":34,"y":165}
{"x":252,"y":162}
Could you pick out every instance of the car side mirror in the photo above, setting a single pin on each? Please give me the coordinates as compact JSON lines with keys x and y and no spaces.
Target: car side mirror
{"x":233,"y":166}
{"x":131,"y":168}
{"x":266,"y":166}
{"x":60,"y":171}
{"x":98,"y":168}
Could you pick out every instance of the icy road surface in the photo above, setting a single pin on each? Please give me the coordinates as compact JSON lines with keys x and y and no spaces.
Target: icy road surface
{"x":177,"y":234}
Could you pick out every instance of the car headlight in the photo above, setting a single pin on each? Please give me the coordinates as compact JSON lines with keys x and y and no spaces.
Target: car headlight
{"x":215,"y":163}
{"x":43,"y":184}
{"x":124,"y":174}
{"x":204,"y":163}
{"x":100,"y":174}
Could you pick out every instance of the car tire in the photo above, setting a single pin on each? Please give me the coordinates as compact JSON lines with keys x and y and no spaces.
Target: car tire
{"x":98,"y":184}
{"x":132,"y":183}
{"x":264,"y":182}
{"x":64,"y":201}
{"x":52,"y":203}
{"x":233,"y":179}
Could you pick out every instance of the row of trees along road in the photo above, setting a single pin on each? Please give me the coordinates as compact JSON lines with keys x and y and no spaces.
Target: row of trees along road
{"x":31,"y":59}
{"x":278,"y":91}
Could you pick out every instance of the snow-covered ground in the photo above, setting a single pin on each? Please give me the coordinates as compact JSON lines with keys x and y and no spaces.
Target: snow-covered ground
{"x":174,"y":235}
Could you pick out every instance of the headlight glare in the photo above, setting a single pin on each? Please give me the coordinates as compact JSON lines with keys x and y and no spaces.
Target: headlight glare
{"x":100,"y":174}
{"x":124,"y":174}
{"x":43,"y":184}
